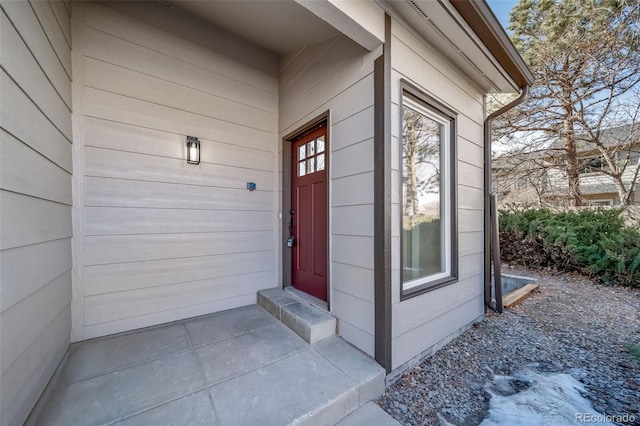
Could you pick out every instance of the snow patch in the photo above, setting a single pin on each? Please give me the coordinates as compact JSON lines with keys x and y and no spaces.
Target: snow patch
{"x":530,"y":398}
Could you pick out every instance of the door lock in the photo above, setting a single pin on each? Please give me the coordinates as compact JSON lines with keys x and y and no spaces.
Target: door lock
{"x":291,"y":241}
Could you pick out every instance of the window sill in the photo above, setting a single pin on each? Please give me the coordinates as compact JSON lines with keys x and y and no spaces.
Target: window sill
{"x":427,"y":287}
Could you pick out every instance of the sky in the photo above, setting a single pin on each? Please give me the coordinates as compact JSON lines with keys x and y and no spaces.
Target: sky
{"x":501,"y":9}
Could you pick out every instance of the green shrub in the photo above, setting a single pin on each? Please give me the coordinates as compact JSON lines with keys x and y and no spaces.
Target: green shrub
{"x":593,"y":242}
{"x":421,"y":242}
{"x":634,"y":351}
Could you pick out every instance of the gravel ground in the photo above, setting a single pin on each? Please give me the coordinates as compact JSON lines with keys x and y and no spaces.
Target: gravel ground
{"x":570,"y":326}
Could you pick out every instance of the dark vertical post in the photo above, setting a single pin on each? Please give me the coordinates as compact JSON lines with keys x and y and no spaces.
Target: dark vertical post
{"x":497,"y":267}
{"x":487,"y":211}
{"x":382,"y":201}
{"x":286,"y":207}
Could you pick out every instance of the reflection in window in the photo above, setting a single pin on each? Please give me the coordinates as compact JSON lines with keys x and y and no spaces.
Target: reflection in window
{"x":427,"y":206}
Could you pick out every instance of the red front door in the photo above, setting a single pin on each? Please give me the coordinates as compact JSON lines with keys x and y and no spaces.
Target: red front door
{"x":309,"y":213}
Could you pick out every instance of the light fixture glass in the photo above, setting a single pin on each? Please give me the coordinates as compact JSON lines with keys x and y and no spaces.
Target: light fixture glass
{"x":193,"y":150}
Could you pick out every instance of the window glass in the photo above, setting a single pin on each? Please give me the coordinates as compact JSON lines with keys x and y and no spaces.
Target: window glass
{"x":312,"y":156}
{"x":427,"y":210}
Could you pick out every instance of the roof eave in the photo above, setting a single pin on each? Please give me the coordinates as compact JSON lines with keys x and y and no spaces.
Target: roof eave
{"x":483,"y":22}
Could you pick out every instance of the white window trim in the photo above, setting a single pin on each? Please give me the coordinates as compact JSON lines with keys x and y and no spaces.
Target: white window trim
{"x":446,"y":181}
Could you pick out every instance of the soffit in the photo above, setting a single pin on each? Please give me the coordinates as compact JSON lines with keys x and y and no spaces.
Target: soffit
{"x":280,"y":26}
{"x":440,"y":25}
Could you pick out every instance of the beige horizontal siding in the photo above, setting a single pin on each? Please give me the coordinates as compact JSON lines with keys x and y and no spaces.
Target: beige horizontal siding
{"x":111,"y":192}
{"x":25,"y":71}
{"x":116,"y":277}
{"x":157,"y":299}
{"x":138,"y":221}
{"x":424,"y":322}
{"x":26,"y":171}
{"x":35,"y":201}
{"x":21,"y":280}
{"x":26,"y":122}
{"x":206,"y":77}
{"x":247,"y":297}
{"x":129,"y":110}
{"x":441,"y":329}
{"x":135,"y":139}
{"x":146,"y":87}
{"x":133,"y":248}
{"x":29,"y":220}
{"x":26,"y":378}
{"x":337,"y":75}
{"x":160,"y":239}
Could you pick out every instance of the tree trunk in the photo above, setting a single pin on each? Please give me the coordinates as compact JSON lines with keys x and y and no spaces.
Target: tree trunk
{"x":625,"y":196}
{"x":571,"y":158}
{"x":411,"y":192}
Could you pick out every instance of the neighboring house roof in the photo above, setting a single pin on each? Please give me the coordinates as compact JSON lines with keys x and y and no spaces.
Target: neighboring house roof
{"x":520,"y":159}
{"x":627,"y":134}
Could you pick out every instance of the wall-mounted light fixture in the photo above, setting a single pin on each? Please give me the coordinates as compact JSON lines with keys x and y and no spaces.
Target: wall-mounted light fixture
{"x":193,"y":150}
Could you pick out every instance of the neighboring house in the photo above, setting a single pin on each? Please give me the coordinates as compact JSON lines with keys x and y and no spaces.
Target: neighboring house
{"x":521,"y":179}
{"x":597,"y":188}
{"x":539,"y":178}
{"x":298,"y":110}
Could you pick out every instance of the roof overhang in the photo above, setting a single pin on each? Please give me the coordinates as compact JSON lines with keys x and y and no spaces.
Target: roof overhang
{"x":470,"y":36}
{"x":277,"y":26}
{"x":484,"y":23}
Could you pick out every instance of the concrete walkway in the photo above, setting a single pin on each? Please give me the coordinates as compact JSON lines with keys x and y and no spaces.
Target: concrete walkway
{"x":238,"y":367}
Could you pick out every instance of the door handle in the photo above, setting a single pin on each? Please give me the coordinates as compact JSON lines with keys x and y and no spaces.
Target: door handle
{"x":292,"y":212}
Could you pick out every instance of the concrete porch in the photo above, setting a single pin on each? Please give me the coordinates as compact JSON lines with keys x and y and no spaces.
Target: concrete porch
{"x":237,"y":367}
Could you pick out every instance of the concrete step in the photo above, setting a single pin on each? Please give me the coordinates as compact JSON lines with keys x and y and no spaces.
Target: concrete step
{"x":367,"y":415}
{"x":308,"y":321}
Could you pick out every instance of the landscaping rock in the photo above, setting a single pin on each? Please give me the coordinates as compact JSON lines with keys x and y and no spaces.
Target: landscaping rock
{"x":571,"y":326}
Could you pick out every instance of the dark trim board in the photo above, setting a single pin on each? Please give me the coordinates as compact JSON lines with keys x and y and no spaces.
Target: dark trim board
{"x":478,"y":15}
{"x":286,"y":195}
{"x":382,"y":200}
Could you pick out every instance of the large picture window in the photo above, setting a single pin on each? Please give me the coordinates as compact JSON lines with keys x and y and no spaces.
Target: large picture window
{"x":429,"y":252}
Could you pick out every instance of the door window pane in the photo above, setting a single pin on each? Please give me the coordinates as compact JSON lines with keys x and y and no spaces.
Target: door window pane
{"x":320,"y":162}
{"x":311,"y":148}
{"x":302,"y":152}
{"x":310,"y":165}
{"x":320,"y":144}
{"x":302,"y":168}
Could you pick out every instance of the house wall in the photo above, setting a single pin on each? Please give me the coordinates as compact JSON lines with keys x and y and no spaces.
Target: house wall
{"x":157,"y":239}
{"x":337,"y":75}
{"x":423,"y":323}
{"x":35,"y":200}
